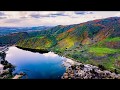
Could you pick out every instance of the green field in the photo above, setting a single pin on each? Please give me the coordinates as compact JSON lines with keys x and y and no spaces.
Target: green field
{"x":101,"y":51}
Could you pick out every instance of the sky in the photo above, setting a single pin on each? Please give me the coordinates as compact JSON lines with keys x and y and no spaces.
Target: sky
{"x":50,"y":18}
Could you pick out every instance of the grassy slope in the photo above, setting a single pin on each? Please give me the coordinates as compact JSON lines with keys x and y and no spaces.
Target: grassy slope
{"x":94,"y":42}
{"x":43,"y":42}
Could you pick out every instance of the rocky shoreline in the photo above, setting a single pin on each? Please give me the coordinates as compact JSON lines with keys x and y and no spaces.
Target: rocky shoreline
{"x":7,"y":68}
{"x":76,"y":70}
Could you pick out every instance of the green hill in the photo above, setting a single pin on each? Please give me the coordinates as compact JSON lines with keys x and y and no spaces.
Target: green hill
{"x":96,"y":42}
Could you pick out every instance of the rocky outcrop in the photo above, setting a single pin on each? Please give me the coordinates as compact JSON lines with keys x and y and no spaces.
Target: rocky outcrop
{"x":86,"y":39}
{"x":18,"y":76}
{"x":6,"y":68}
{"x":86,"y":71}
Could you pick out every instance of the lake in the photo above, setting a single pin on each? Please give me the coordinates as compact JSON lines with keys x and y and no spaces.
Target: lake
{"x":36,"y":65}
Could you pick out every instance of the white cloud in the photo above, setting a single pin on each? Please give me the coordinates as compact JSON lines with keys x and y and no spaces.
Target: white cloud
{"x":50,"y":54}
{"x":37,"y":18}
{"x":117,"y":14}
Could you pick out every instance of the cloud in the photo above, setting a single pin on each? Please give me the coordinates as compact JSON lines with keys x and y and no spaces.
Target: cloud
{"x":117,"y":14}
{"x":61,"y":13}
{"x":12,"y":21}
{"x":58,"y":14}
{"x":2,"y":14}
{"x":90,"y":12}
{"x":50,"y":54}
{"x":17,"y":14}
{"x":47,"y":14}
{"x":37,"y":18}
{"x":2,"y":17}
{"x":80,"y":12}
{"x":35,"y":15}
{"x":83,"y":12}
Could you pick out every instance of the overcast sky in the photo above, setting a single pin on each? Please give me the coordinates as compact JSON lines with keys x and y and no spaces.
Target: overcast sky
{"x":50,"y":18}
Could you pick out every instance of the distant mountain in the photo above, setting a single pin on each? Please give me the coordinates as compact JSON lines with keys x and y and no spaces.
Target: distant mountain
{"x":96,"y":42}
{"x":9,"y":30}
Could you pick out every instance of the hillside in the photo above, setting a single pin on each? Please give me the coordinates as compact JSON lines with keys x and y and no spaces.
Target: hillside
{"x":96,"y":42}
{"x":12,"y":38}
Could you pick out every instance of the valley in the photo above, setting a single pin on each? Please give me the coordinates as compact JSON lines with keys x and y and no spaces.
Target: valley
{"x":95,"y":42}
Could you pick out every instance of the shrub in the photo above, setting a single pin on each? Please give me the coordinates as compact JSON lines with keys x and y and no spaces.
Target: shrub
{"x":101,"y":67}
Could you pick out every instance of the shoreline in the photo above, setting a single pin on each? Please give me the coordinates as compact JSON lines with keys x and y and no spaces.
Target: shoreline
{"x":78,"y":70}
{"x":7,"y":68}
{"x":33,"y":50}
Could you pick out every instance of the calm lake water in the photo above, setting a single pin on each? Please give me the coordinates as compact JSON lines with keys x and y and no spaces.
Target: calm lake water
{"x":36,"y":65}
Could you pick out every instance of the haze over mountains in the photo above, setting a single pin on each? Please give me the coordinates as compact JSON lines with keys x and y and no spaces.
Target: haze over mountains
{"x":9,"y":30}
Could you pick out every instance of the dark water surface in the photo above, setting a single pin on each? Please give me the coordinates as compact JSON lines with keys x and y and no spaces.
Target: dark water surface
{"x":36,"y":65}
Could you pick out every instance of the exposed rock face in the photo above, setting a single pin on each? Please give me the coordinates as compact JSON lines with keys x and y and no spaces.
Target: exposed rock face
{"x":115,"y":45}
{"x":103,"y":34}
{"x":87,"y":71}
{"x":86,"y":39}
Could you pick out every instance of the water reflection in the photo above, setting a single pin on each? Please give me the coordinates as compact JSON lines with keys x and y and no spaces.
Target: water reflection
{"x":36,"y":65}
